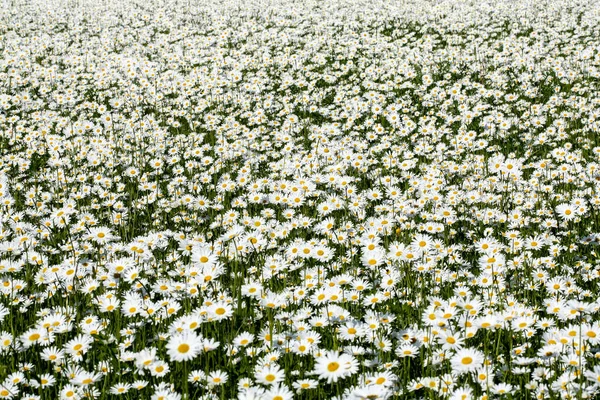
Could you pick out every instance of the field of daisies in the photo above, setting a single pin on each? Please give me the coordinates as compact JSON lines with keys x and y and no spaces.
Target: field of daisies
{"x":279,"y":199}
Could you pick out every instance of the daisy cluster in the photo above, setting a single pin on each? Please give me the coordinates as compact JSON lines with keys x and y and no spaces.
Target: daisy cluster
{"x":299,"y":199}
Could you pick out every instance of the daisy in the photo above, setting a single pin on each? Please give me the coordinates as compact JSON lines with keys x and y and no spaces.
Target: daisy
{"x":466,"y":360}
{"x":421,"y":243}
{"x":165,"y":393}
{"x":593,"y":375}
{"x":203,"y":256}
{"x":462,"y":394}
{"x":183,"y":346}
{"x":372,"y":259}
{"x":32,"y":337}
{"x":159,"y":369}
{"x":371,"y":392}
{"x":209,"y":344}
{"x":100,"y":235}
{"x":53,"y":354}
{"x":502,"y":388}
{"x":145,"y":358}
{"x":86,"y":378}
{"x":486,"y":321}
{"x":139,"y":384}
{"x":120,"y":388}
{"x":279,"y":392}
{"x":244,"y":339}
{"x":591,"y":333}
{"x":407,"y":350}
{"x":333,"y":366}
{"x":351,"y":330}
{"x":70,"y":392}
{"x":196,"y":377}
{"x":322,"y":253}
{"x":78,"y":346}
{"x":217,"y":378}
{"x":450,"y":340}
{"x":219,"y":311}
{"x":301,"y":347}
{"x":304,"y":384}
{"x":269,"y":375}
{"x":8,"y":390}
{"x":252,"y":393}
{"x":306,"y":250}
{"x":46,"y":380}
{"x":566,"y":211}
{"x":385,"y":378}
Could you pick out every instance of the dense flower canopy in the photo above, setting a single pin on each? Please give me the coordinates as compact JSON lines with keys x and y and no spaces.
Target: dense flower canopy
{"x":299,"y":199}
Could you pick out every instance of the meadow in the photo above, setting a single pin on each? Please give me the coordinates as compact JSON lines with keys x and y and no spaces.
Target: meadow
{"x":282,"y":199}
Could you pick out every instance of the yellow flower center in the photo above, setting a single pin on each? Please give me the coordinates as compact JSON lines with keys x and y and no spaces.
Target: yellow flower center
{"x":333,"y":366}
{"x":183,"y":348}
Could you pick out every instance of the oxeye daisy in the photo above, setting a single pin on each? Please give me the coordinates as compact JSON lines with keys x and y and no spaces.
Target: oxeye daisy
{"x":279,"y":392}
{"x":372,"y":259}
{"x":332,"y":366}
{"x":46,"y":380}
{"x":244,"y":339}
{"x":351,"y":331}
{"x":304,"y":384}
{"x":269,"y":375}
{"x":203,"y":256}
{"x":8,"y":390}
{"x":146,"y":357}
{"x":219,"y":311}
{"x":566,"y":212}
{"x":139,"y":384}
{"x":466,"y":360}
{"x":32,"y":337}
{"x":371,"y":391}
{"x":407,"y":350}
{"x":385,"y":378}
{"x":100,"y":235}
{"x":217,"y":378}
{"x":197,"y":377}
{"x":78,"y":346}
{"x":450,"y":340}
{"x":159,"y":369}
{"x":183,"y":346}
{"x":120,"y":388}
{"x":302,"y":347}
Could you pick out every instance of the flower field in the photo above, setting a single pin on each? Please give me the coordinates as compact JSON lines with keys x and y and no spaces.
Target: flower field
{"x":279,"y":199}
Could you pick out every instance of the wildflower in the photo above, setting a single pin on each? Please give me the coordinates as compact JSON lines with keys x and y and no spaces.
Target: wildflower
{"x":100,"y":235}
{"x":407,"y":350}
{"x":217,"y":378}
{"x":566,"y":212}
{"x":279,"y":392}
{"x":305,"y":384}
{"x":70,"y":392}
{"x":120,"y":388}
{"x":159,"y":369}
{"x":183,"y":346}
{"x":466,"y":360}
{"x":269,"y":375}
{"x":78,"y":346}
{"x":333,"y":366}
{"x":8,"y":390}
{"x":372,"y":259}
{"x":46,"y":380}
{"x":219,"y":311}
